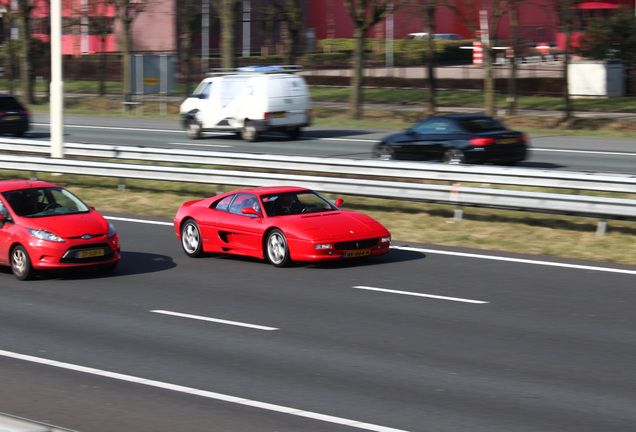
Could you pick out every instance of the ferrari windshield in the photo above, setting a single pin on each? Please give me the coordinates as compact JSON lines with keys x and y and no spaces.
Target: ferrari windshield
{"x":40,"y":202}
{"x":291,"y":203}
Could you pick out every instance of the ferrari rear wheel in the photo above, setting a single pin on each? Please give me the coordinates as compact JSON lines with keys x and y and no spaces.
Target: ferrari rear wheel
{"x":277,"y":249}
{"x":21,"y":263}
{"x":191,"y":239}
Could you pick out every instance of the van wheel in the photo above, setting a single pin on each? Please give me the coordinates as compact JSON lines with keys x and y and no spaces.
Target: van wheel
{"x":248,"y":132}
{"x":294,"y":132}
{"x":193,"y":129}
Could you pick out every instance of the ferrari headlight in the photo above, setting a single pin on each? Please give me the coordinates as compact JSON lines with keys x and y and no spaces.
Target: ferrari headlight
{"x":323,"y":246}
{"x":386,"y":239}
{"x":45,"y":235}
{"x":111,"y":230}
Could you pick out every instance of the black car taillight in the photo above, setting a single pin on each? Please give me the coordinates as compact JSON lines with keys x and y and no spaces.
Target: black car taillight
{"x":480,"y":142}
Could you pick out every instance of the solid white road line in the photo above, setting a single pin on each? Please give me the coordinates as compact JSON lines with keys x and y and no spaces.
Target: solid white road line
{"x":459,"y":254}
{"x":519,"y":260}
{"x":200,"y":393}
{"x":216,"y":320}
{"x":409,"y":293}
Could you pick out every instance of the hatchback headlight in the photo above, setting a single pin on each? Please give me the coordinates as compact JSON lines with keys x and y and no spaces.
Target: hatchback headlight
{"x":111,"y":230}
{"x":45,"y":235}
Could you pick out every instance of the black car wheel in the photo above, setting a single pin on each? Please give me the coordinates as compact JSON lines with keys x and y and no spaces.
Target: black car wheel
{"x":21,"y":263}
{"x":454,"y":156}
{"x":277,"y":249}
{"x":384,"y":152}
{"x":191,"y":239}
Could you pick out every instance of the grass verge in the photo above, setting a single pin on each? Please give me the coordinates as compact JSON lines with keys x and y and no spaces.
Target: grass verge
{"x":510,"y":231}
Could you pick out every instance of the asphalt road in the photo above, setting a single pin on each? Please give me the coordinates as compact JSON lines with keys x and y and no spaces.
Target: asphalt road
{"x":547,"y":152}
{"x":422,"y":339}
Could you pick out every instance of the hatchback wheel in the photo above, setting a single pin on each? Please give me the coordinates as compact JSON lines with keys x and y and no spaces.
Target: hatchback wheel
{"x":191,"y":239}
{"x":21,"y":263}
{"x":277,"y":249}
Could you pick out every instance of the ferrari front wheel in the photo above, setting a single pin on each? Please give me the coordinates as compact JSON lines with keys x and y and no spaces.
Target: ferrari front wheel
{"x":277,"y":248}
{"x":191,"y":239}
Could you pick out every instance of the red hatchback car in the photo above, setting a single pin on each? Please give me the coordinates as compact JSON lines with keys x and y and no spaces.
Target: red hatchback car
{"x":279,"y":224}
{"x":45,"y":227}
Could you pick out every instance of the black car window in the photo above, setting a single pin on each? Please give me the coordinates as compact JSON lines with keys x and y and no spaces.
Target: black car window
{"x":435,"y":126}
{"x":481,"y":124}
{"x":9,"y":104}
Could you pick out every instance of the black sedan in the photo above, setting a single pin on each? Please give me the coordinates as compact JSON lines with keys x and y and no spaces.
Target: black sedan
{"x":14,"y":117}
{"x":458,"y":139}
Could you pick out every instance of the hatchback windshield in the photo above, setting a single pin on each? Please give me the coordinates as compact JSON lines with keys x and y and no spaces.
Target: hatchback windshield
{"x":40,"y":202}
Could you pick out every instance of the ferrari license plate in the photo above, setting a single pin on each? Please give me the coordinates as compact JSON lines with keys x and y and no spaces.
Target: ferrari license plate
{"x":508,"y":140}
{"x":357,"y":253}
{"x":90,"y":253}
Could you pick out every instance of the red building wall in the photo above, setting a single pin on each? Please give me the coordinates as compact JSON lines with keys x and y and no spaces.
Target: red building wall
{"x":537,"y":20}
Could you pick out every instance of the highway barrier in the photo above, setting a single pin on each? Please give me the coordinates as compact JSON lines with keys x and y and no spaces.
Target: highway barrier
{"x":344,"y":176}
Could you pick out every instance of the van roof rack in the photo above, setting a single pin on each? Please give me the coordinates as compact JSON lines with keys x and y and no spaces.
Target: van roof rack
{"x":251,"y":70}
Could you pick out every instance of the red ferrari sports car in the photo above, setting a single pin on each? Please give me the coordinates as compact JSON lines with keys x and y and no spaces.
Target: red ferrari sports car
{"x":44,"y":227}
{"x":280,"y":224}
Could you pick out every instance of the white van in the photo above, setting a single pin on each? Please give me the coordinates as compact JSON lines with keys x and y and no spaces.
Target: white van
{"x":249,"y":101}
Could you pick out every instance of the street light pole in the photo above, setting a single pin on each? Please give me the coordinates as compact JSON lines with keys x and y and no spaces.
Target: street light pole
{"x":57,"y":84}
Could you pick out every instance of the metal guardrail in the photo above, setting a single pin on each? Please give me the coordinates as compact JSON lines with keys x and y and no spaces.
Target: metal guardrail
{"x":591,"y":206}
{"x":405,"y":171}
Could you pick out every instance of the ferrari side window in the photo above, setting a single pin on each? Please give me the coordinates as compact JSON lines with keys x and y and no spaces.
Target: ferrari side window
{"x":244,"y":200}
{"x":223,"y":204}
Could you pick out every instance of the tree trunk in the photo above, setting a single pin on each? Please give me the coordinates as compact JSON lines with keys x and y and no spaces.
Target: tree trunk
{"x":489,"y":81}
{"x":355,"y":105}
{"x":126,"y":59}
{"x":227,"y":16}
{"x":512,"y":80}
{"x":430,"y":61}
{"x":25,"y":55}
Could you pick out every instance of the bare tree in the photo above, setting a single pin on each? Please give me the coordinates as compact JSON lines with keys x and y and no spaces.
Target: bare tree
{"x":426,"y":9}
{"x":566,"y":12}
{"x":101,"y":25}
{"x":127,"y":11}
{"x":7,"y":46}
{"x":364,"y":14}
{"x":26,"y":67}
{"x":289,"y":12}
{"x":189,"y":23}
{"x":483,"y":16}
{"x":228,"y":12}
